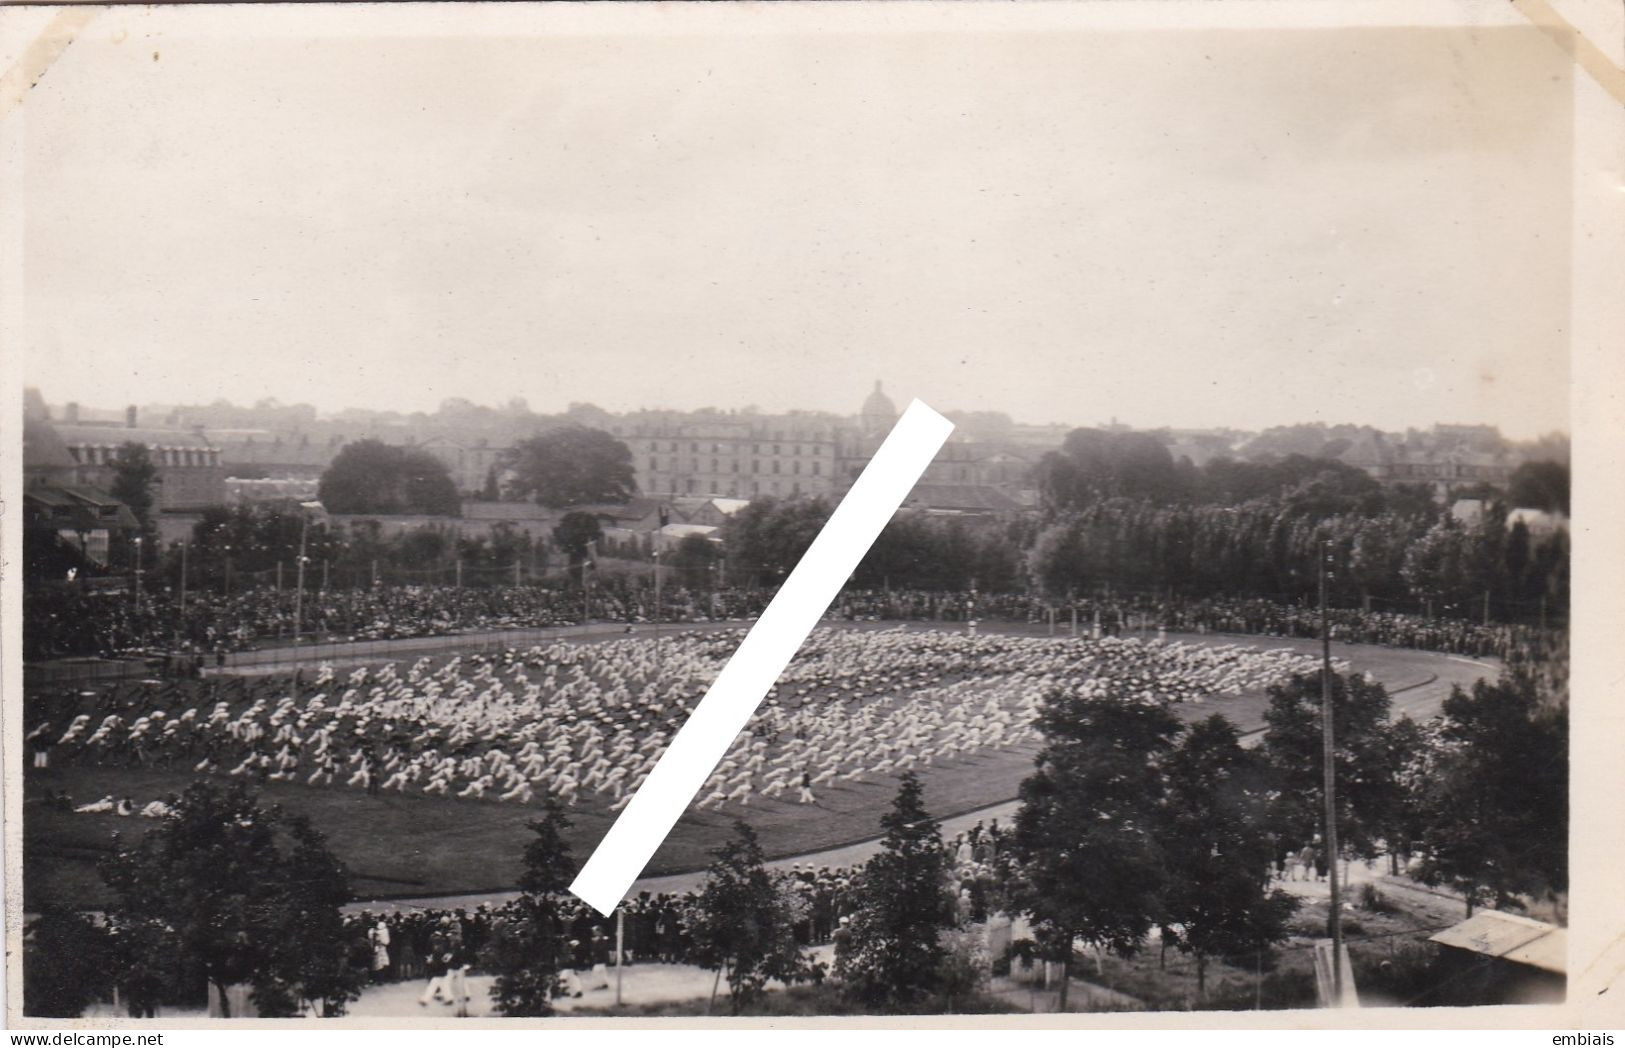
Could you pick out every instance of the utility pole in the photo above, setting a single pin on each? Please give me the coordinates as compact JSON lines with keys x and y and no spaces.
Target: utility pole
{"x":299,"y":597}
{"x":1329,"y":748}
{"x":620,"y":952}
{"x":586,"y":597}
{"x":459,"y":572}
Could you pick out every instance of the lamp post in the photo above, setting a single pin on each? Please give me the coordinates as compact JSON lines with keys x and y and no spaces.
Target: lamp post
{"x":304,"y":532}
{"x":136,"y":593}
{"x":180,"y":614}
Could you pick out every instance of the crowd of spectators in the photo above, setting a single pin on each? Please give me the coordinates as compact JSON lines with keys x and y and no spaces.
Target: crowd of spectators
{"x":64,"y":621}
{"x":654,"y":926}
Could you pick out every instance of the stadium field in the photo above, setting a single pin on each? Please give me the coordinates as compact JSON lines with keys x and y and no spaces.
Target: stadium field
{"x":415,"y":846}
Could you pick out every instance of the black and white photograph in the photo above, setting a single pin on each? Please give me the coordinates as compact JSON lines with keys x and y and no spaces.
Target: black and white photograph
{"x":412,"y":410}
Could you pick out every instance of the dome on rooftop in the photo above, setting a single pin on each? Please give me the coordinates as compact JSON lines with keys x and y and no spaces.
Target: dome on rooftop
{"x":878,"y":410}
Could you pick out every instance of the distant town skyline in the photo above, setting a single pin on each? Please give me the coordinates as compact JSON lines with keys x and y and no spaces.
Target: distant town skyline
{"x":114,"y":414}
{"x":1271,"y":227}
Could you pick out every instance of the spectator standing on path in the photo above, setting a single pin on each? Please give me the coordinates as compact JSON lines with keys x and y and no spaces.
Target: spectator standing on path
{"x":438,"y":964}
{"x":1307,"y":858}
{"x":842,"y":938}
{"x":379,"y":938}
{"x":599,"y":946}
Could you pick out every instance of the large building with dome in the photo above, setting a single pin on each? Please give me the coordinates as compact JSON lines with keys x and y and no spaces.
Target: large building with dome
{"x":751,"y":455}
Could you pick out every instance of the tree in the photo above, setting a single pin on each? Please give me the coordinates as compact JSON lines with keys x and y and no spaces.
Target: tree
{"x":744,"y":921}
{"x":1220,"y":852}
{"x":1365,"y":760}
{"x":370,"y":476}
{"x":571,"y":466}
{"x":66,"y":960}
{"x":133,"y":476}
{"x":904,"y":905}
{"x":1411,"y":749}
{"x":1085,"y":834}
{"x":528,"y":949}
{"x":1498,"y":805}
{"x":1097,"y":464}
{"x":1540,"y":485}
{"x":767,"y":538}
{"x":692,"y":560}
{"x":312,"y":960}
{"x":231,"y":899}
{"x":575,"y":533}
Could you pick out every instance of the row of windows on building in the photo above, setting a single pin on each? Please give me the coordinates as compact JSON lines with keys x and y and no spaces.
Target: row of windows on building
{"x":734,"y":490}
{"x":107,"y":455}
{"x":825,"y":449}
{"x":755,"y":467}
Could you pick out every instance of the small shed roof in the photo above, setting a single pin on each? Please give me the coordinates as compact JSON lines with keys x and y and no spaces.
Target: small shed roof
{"x":1511,"y":938}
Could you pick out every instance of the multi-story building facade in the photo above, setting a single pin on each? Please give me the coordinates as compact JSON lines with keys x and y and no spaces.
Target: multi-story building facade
{"x":1443,"y":458}
{"x":733,"y":455}
{"x":189,"y":472}
{"x":745,"y":455}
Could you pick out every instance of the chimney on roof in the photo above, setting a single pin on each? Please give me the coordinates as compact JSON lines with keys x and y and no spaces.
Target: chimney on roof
{"x":129,"y":417}
{"x":70,"y":413}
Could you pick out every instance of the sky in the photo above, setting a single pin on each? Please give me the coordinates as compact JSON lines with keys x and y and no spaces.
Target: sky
{"x":1190,"y":229}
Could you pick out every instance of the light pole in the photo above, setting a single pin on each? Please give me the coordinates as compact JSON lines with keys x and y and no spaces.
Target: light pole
{"x":180,"y":615}
{"x":299,"y":597}
{"x":136,"y":593}
{"x":305,"y":510}
{"x":656,"y":554}
{"x":1329,"y":747}
{"x":586,"y":596}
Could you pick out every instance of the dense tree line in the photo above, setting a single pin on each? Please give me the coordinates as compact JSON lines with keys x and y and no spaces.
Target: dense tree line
{"x":766,"y":539}
{"x":1265,"y":548}
{"x":255,"y":539}
{"x":1133,"y":822}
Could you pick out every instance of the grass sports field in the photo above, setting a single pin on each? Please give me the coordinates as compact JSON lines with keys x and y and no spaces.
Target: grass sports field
{"x":411,"y":845}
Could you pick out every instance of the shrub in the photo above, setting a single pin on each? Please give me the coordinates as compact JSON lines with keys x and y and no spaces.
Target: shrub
{"x":965,"y":966}
{"x":1374,"y":901}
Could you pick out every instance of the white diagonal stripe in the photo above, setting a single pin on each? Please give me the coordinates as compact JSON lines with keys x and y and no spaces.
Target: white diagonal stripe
{"x":739,"y":688}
